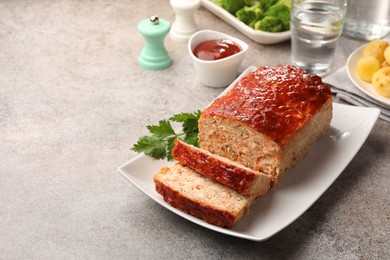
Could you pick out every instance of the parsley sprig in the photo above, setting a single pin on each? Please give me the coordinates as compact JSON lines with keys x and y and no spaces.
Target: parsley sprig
{"x":160,"y":143}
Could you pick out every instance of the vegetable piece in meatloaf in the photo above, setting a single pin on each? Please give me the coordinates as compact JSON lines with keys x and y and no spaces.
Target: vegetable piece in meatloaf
{"x":268,"y":120}
{"x":200,"y":196}
{"x":223,"y":170}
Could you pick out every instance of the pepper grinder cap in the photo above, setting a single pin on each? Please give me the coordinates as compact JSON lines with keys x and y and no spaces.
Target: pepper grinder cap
{"x":154,"y":26}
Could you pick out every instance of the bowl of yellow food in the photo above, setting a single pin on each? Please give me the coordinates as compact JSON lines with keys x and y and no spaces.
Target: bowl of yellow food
{"x":368,"y":67}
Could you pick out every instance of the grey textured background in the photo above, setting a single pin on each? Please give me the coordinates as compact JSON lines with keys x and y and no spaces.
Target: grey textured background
{"x":73,"y":100}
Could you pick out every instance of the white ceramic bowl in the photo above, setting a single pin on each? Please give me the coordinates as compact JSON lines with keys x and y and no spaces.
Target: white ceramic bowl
{"x":216,"y":73}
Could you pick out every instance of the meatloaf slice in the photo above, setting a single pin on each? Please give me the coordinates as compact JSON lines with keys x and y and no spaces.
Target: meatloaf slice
{"x":268,"y":120}
{"x":223,"y":170}
{"x":202,"y":197}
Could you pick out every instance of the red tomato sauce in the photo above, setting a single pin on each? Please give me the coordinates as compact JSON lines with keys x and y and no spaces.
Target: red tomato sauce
{"x":216,"y":49}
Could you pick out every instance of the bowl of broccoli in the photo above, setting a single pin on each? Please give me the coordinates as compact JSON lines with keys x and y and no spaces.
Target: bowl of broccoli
{"x":264,"y":21}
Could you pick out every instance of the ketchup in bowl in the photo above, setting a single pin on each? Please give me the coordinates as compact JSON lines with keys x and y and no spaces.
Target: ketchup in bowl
{"x":216,"y":49}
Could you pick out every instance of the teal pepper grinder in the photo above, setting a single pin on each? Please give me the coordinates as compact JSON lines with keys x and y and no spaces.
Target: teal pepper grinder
{"x":154,"y":56}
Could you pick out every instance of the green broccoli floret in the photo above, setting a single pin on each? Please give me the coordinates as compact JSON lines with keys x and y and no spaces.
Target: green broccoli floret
{"x":281,"y":11}
{"x":269,"y":24}
{"x":217,"y":2}
{"x":251,"y":2}
{"x":250,"y":14}
{"x":264,"y":15}
{"x":286,"y":3}
{"x":232,"y":6}
{"x":267,"y":3}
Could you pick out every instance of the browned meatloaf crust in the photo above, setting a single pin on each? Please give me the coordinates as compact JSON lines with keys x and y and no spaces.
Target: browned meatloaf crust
{"x":223,"y":170}
{"x":200,"y":196}
{"x":268,"y":120}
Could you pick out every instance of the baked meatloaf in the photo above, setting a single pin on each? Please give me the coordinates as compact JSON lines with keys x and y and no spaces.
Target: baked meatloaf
{"x":223,"y":170}
{"x":268,"y":120}
{"x":202,"y":197}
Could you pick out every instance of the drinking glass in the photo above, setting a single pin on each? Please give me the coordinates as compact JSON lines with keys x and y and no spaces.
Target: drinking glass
{"x":316,"y":26}
{"x":367,"y":19}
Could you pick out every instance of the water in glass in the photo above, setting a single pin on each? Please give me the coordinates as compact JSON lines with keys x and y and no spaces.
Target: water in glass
{"x":315,"y":29}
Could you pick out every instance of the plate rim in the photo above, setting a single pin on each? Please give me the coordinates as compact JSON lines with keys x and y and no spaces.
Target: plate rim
{"x":365,"y":87}
{"x":257,"y":36}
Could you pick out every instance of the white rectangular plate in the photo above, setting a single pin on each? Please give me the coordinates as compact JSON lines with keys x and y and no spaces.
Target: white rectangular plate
{"x":255,"y":35}
{"x":300,"y":188}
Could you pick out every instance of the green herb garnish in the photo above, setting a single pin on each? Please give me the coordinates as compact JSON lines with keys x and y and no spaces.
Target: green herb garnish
{"x":160,"y":143}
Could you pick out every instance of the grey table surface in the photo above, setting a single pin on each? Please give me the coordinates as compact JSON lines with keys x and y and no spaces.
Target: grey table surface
{"x":73,"y":100}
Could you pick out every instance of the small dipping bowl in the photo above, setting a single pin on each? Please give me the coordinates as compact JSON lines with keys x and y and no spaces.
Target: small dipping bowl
{"x":216,"y":73}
